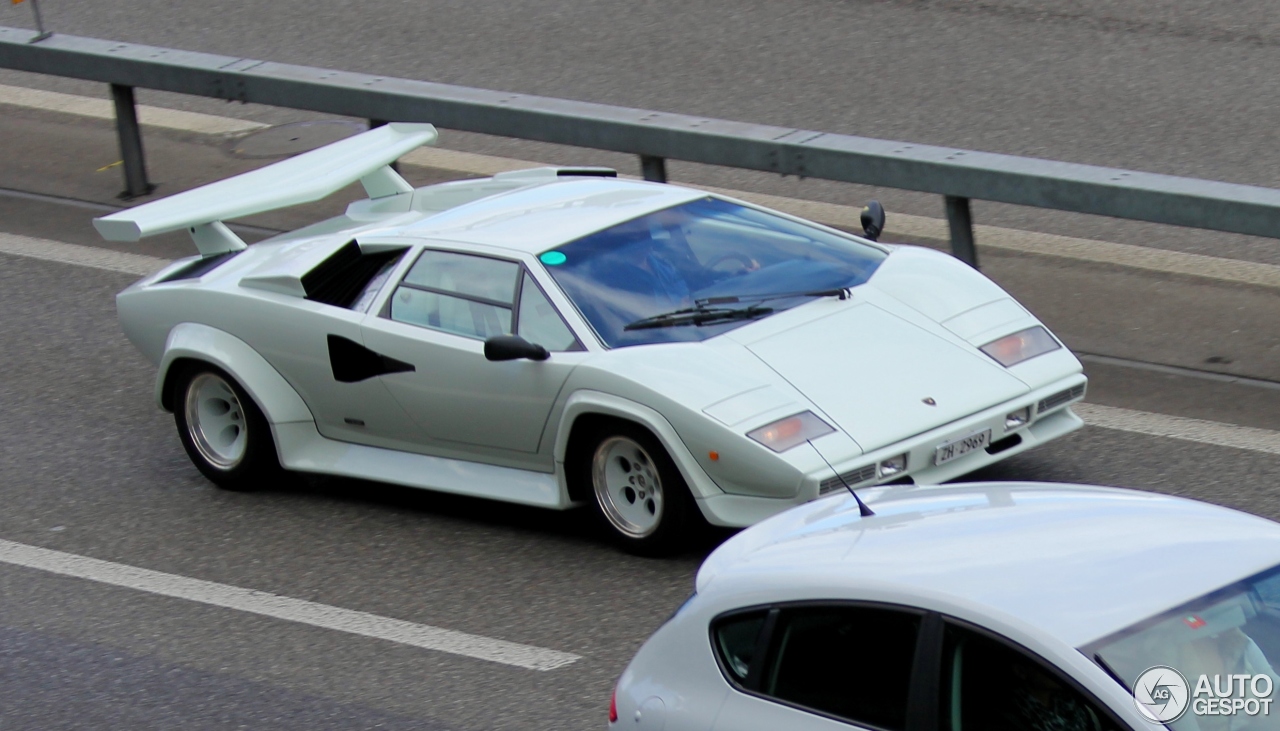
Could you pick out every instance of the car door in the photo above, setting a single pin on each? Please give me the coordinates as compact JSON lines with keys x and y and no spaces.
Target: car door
{"x":989,"y":684}
{"x":298,"y":338}
{"x":821,"y":666}
{"x":437,"y":319}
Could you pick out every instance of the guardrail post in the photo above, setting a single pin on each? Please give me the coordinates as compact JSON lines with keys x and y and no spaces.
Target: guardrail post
{"x":654,"y":169}
{"x":960,"y":219}
{"x":130,"y":134}
{"x":42,"y":33}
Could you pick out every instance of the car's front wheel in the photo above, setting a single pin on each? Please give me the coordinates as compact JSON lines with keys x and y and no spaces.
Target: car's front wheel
{"x":223,"y":430}
{"x":638,"y":493}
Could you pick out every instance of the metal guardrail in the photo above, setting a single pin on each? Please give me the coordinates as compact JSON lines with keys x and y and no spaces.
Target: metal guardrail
{"x":958,"y":175}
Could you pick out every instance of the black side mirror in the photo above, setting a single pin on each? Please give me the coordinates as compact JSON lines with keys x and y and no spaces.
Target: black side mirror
{"x":513,"y":347}
{"x":873,"y":219}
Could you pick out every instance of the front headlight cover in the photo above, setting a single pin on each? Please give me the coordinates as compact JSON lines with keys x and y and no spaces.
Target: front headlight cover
{"x":794,"y":430}
{"x":1011,"y":350}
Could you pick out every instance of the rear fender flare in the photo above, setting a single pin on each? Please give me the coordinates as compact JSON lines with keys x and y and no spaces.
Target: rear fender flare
{"x":279,"y":402}
{"x":598,"y":403}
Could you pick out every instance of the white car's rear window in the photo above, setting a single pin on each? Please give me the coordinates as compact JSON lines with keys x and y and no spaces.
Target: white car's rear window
{"x":1224,"y":645}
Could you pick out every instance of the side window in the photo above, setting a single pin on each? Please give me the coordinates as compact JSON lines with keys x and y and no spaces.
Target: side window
{"x":538,"y":322}
{"x":370,"y":291}
{"x":458,"y":293}
{"x":853,"y":662}
{"x":988,"y":685}
{"x":735,"y":640}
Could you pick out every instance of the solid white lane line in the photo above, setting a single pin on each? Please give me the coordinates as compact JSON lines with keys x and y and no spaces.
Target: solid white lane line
{"x":1063,"y":247}
{"x":85,"y":256}
{"x":1180,"y":427}
{"x":899,"y":224}
{"x":1108,"y":417}
{"x":280,"y":607}
{"x":469,"y":163}
{"x":1127,"y":255}
{"x":86,"y":106}
{"x":1178,"y":371}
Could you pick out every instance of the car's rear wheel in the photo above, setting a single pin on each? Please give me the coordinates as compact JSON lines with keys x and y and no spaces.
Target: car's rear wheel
{"x":638,"y":493}
{"x":223,"y":430}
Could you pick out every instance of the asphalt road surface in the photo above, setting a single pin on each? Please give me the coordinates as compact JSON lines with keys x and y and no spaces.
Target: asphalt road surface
{"x":89,"y":467}
{"x":1185,"y":87}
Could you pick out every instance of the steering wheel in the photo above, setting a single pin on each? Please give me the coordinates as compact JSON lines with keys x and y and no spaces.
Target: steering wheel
{"x":747,"y":263}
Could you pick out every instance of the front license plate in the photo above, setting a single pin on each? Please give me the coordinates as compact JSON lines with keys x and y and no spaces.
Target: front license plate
{"x":962,"y":446}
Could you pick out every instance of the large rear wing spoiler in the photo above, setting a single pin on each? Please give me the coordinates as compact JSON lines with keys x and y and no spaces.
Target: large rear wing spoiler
{"x":304,"y":178}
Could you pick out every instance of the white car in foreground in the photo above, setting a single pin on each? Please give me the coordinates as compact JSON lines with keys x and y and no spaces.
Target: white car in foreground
{"x":559,"y":336}
{"x":979,"y":607}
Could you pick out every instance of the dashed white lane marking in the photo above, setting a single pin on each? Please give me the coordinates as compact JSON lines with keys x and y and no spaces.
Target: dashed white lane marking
{"x":899,"y":224}
{"x":85,"y":256}
{"x":281,"y":607}
{"x":1180,"y":427}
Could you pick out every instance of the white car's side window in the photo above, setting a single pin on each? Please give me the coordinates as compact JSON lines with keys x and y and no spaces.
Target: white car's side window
{"x":988,"y":685}
{"x":538,"y":322}
{"x":736,"y":641}
{"x":458,"y":293}
{"x":852,"y":662}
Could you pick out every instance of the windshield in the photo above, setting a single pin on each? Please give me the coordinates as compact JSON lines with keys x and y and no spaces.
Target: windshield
{"x":679,"y":257}
{"x":1225,"y":645}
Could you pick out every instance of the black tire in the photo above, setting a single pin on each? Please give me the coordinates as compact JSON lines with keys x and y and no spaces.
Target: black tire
{"x":616,"y":466}
{"x":223,"y":431}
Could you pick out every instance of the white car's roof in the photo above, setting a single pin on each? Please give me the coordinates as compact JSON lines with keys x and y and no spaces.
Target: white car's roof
{"x":1076,"y":562}
{"x":536,"y":218}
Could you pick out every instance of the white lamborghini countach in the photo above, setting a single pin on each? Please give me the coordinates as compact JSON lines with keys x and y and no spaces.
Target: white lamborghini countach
{"x":560,"y":336}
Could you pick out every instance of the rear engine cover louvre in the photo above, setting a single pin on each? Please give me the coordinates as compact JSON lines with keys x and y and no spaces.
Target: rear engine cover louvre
{"x":341,"y":278}
{"x":200,"y":267}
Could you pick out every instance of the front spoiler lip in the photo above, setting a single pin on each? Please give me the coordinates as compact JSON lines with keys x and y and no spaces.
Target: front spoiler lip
{"x":920,"y":447}
{"x":739,"y":511}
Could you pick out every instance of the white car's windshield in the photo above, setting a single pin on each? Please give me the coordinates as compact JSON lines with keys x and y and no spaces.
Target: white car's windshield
{"x":701,"y":255}
{"x":1226,"y":648}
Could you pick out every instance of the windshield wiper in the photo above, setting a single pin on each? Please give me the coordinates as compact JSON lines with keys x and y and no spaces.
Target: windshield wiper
{"x":703,"y":314}
{"x":841,"y":292}
{"x":699,"y":316}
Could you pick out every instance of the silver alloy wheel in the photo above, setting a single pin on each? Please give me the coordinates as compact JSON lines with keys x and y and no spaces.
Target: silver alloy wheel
{"x":215,"y":421}
{"x":627,"y":486}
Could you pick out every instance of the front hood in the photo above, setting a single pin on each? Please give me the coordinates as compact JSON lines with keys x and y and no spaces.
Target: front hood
{"x":871,"y":372}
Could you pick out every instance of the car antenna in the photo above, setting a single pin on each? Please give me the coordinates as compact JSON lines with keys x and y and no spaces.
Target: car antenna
{"x":863,"y":510}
